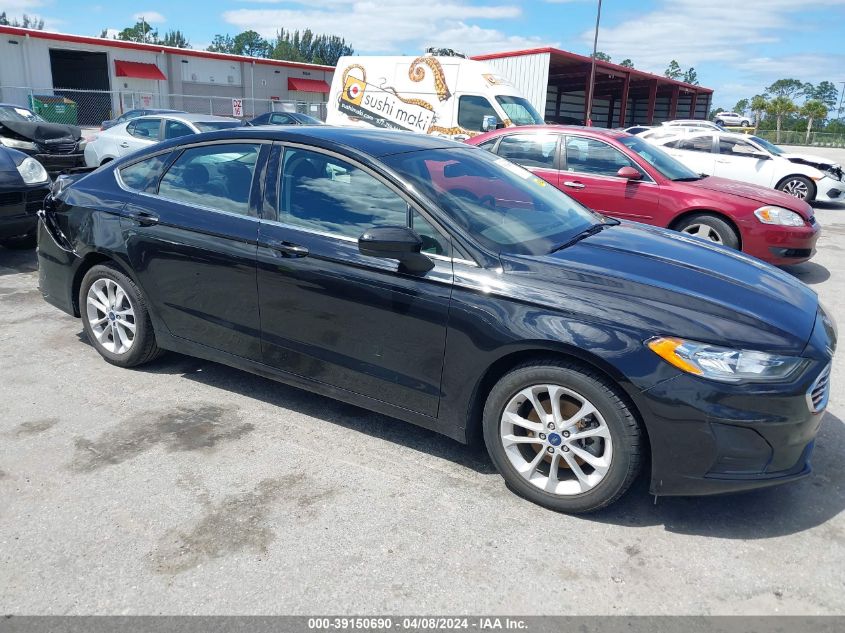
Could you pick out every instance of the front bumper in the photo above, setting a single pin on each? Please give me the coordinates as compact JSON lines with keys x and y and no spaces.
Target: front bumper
{"x":780,"y":245}
{"x":18,"y":209}
{"x":830,"y":190}
{"x":709,"y":437}
{"x":56,"y":163}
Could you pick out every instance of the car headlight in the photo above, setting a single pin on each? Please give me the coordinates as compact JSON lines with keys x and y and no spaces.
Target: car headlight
{"x":723,"y":363}
{"x":32,"y":171}
{"x":16,"y":144}
{"x":778,"y":215}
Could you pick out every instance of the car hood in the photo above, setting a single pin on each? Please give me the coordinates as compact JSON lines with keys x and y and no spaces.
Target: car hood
{"x":40,"y":131}
{"x":819,"y":162}
{"x":659,"y":282}
{"x":763,"y":195}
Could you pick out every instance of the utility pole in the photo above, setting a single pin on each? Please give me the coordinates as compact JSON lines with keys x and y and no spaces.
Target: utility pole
{"x":143,"y":30}
{"x":589,"y":120}
{"x":841,"y":94}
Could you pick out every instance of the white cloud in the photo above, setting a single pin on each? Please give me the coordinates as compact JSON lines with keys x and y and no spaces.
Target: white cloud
{"x":150,"y":17}
{"x":474,"y":40}
{"x":400,"y":26}
{"x":21,"y":6}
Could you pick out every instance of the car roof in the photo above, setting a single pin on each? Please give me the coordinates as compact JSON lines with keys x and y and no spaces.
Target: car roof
{"x":581,"y":129}
{"x":374,"y":142}
{"x":191,"y":118}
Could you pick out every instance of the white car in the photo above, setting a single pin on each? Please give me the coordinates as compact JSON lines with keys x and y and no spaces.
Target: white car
{"x":732,"y":118}
{"x":136,"y":134}
{"x":755,"y":160}
{"x":693,"y":123}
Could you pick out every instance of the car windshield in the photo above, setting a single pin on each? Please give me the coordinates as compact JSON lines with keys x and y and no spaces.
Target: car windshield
{"x":213,"y":126}
{"x":519,"y":110}
{"x":670,"y":168}
{"x":769,"y":147}
{"x":13,"y":113}
{"x":503,"y":206}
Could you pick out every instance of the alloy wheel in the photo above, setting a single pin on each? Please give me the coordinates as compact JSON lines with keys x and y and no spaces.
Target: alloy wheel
{"x":111,"y":316}
{"x":703,"y":231}
{"x":556,"y":439}
{"x":797,"y":188}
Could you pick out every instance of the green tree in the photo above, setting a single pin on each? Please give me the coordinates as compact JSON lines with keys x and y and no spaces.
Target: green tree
{"x":813,"y":109}
{"x":140,"y":32}
{"x":601,"y":57}
{"x":758,"y":106}
{"x":307,"y":47}
{"x":251,"y":44}
{"x":26,"y":21}
{"x":673,"y":71}
{"x":825,"y":92}
{"x":741,"y":106}
{"x":789,"y":88}
{"x":779,"y":107}
{"x":627,"y":63}
{"x":221,"y":44}
{"x":691,"y":77}
{"x":175,"y":38}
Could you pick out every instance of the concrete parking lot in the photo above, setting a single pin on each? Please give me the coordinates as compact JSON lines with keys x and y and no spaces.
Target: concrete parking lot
{"x":187,"y":487}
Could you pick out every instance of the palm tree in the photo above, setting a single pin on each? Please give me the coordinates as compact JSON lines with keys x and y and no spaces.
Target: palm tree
{"x":778,"y":107}
{"x":814,"y":110}
{"x":758,"y":106}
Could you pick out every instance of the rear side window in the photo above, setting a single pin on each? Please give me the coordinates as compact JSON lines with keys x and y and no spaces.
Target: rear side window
{"x":696,"y":144}
{"x":529,"y":150}
{"x":144,"y":175}
{"x":175,"y":129}
{"x":471,"y":112}
{"x":214,"y":176}
{"x":145,"y":128}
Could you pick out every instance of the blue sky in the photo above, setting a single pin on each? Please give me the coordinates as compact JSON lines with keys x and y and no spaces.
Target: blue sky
{"x":737,"y":46}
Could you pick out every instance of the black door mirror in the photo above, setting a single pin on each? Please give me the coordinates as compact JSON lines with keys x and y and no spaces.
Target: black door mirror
{"x":395,"y":242}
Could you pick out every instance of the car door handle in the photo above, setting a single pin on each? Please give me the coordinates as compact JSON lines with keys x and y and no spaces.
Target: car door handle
{"x":287,"y":249}
{"x":574,"y":184}
{"x":124,"y":144}
{"x":144,"y":218}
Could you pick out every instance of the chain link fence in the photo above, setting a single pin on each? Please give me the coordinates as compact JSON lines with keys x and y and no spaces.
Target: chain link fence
{"x":791,"y":137}
{"x":89,"y":108}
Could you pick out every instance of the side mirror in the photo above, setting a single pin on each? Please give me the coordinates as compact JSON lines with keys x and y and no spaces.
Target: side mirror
{"x":629,"y":173}
{"x":395,"y":242}
{"x":488,"y":122}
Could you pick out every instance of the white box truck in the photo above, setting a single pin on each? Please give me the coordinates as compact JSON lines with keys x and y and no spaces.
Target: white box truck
{"x":446,"y":96}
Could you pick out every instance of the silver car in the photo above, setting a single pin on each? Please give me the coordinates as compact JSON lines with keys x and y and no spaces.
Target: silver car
{"x":734,"y":119}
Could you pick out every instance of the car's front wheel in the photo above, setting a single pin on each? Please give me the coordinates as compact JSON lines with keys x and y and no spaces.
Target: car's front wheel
{"x":115,"y":317}
{"x":711,"y":228}
{"x":799,"y":187}
{"x":746,"y":123}
{"x":562,"y":436}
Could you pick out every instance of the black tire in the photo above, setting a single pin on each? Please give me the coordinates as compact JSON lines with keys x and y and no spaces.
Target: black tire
{"x":22,"y":243}
{"x":143,"y":348}
{"x":746,"y":124}
{"x":790,"y":184}
{"x":625,"y":433}
{"x":726,"y":233}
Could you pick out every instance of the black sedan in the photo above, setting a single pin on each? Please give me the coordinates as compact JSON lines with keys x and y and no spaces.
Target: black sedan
{"x":24,"y":184}
{"x":445,"y":286}
{"x":285,"y":118}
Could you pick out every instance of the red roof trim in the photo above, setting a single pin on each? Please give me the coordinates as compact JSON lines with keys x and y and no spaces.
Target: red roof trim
{"x":155,"y":48}
{"x":308,"y":85}
{"x":583,"y":58}
{"x":138,"y":70}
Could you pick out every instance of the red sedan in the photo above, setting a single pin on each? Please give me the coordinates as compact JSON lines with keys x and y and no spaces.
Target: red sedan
{"x":626,"y":177}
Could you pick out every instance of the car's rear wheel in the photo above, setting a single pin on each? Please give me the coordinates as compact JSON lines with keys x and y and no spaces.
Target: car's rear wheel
{"x":799,"y":187}
{"x":115,"y":317}
{"x":709,"y":227}
{"x":562,"y":436}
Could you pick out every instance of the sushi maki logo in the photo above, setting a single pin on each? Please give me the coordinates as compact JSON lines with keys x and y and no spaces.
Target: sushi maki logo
{"x":353,"y":91}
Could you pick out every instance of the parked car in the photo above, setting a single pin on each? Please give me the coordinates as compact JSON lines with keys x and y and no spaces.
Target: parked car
{"x":24,"y":184}
{"x":125,"y":138}
{"x":637,"y":129}
{"x":285,"y":118}
{"x":55,"y":145}
{"x":384,"y":269}
{"x":756,"y":160}
{"x":694,"y":124}
{"x":134,"y":114}
{"x":732,"y":118}
{"x":628,"y":178}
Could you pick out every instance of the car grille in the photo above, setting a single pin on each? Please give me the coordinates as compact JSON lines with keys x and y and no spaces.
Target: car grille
{"x":68,"y":147}
{"x":819,"y":393}
{"x":10,"y":198}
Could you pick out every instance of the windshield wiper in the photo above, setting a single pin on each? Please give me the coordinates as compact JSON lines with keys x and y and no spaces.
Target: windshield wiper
{"x":690,"y":178}
{"x":591,"y":230}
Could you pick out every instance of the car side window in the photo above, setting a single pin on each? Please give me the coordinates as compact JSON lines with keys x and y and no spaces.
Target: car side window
{"x":144,"y":175}
{"x":471,"y":112}
{"x":529,"y":150}
{"x":329,"y":195}
{"x":280,"y":119}
{"x":433,"y":242}
{"x":175,"y":129}
{"x":488,"y":145}
{"x":148,"y":129}
{"x":214,"y":176}
{"x":735,"y":147}
{"x":589,"y":156}
{"x":696,"y":144}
